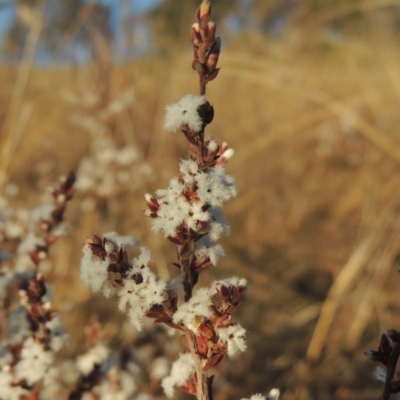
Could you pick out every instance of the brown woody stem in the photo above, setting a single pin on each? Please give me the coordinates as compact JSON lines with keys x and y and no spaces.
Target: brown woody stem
{"x":203,"y":84}
{"x":203,"y":388}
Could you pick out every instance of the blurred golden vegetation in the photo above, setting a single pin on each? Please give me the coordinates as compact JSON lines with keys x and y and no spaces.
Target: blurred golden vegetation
{"x":313,"y":117}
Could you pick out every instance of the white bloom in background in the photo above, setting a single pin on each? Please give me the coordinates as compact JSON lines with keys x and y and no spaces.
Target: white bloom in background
{"x":181,"y":371}
{"x":35,"y":362}
{"x":235,"y":338}
{"x":159,"y":368}
{"x":197,"y":306}
{"x":118,"y":385}
{"x":9,"y":392}
{"x":42,"y":212}
{"x":6,"y":277}
{"x":185,"y":112}
{"x":18,"y":328}
{"x":58,"y":334}
{"x":273,"y":394}
{"x":95,"y":356}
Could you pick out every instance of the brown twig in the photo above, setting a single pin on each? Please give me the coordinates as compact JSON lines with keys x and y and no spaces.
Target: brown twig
{"x":391,"y":368}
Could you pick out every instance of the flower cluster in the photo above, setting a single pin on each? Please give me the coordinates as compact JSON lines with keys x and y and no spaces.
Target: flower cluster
{"x":189,"y":214}
{"x":28,"y":357}
{"x":105,"y":266}
{"x":45,"y":226}
{"x":110,"y":169}
{"x":34,"y":332}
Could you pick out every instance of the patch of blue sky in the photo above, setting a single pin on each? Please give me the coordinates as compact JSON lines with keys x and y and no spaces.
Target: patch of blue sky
{"x":7,"y":17}
{"x":117,"y":9}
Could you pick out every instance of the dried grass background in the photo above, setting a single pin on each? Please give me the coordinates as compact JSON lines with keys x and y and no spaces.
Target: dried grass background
{"x":315,"y":228}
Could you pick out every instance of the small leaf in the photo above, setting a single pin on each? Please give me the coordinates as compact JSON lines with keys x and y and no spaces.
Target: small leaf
{"x":214,"y":361}
{"x":199,"y":67}
{"x":213,"y":75}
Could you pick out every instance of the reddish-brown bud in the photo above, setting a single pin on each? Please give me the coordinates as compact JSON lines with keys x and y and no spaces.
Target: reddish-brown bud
{"x":207,"y":331}
{"x":213,"y":55}
{"x":94,"y":239}
{"x":223,"y":292}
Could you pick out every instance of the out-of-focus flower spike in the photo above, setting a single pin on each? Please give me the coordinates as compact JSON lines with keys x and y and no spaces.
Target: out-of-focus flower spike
{"x":384,"y":345}
{"x":376,"y":356}
{"x":394,"y":335}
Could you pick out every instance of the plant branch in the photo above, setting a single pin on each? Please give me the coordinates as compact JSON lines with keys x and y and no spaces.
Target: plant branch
{"x":203,"y":388}
{"x":391,"y":368}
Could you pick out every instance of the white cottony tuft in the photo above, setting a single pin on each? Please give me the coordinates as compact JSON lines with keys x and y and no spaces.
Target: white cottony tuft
{"x":235,"y":338}
{"x":181,"y":371}
{"x":185,"y":112}
{"x":95,"y":356}
{"x":123,"y":242}
{"x":214,"y":187}
{"x":93,"y":270}
{"x":35,"y":362}
{"x":197,"y":306}
{"x":273,"y":394}
{"x":136,"y":296}
{"x":380,"y":374}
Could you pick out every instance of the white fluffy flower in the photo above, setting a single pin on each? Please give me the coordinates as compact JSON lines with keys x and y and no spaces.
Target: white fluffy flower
{"x":93,"y":269}
{"x":274,"y":394}
{"x":197,"y":306}
{"x":185,"y":112}
{"x":35,"y":362}
{"x":380,"y":374}
{"x":95,"y":356}
{"x":181,"y":371}
{"x":138,"y":298}
{"x":235,"y":338}
{"x":213,"y":188}
{"x":213,"y":251}
{"x":8,"y":391}
{"x":123,"y":242}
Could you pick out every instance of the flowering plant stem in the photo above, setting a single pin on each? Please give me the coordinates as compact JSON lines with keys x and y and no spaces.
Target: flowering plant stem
{"x":189,"y":213}
{"x":203,"y":39}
